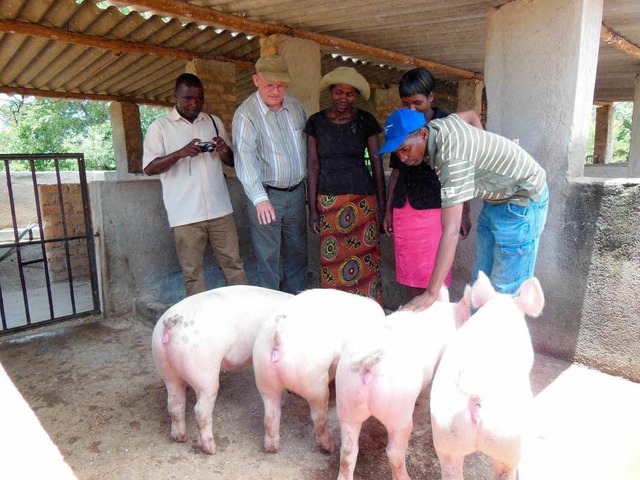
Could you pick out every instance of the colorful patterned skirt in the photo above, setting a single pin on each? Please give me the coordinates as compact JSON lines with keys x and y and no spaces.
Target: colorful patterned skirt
{"x":350,"y":244}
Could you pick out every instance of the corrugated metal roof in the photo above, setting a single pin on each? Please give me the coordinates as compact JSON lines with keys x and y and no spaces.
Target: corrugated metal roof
{"x":75,"y":46}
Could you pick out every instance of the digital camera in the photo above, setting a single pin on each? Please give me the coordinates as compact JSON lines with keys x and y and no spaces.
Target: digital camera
{"x":206,"y":146}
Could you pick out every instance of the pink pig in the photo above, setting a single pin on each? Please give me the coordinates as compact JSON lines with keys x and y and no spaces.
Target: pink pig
{"x":382,"y":373}
{"x":481,"y":394}
{"x":200,"y":336}
{"x":298,"y":350}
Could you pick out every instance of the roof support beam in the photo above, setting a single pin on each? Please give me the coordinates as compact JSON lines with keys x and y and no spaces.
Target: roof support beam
{"x":58,"y":34}
{"x":81,"y":96}
{"x":619,"y":42}
{"x":195,"y":13}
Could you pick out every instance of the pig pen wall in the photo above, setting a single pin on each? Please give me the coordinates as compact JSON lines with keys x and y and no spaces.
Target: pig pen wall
{"x":588,"y":264}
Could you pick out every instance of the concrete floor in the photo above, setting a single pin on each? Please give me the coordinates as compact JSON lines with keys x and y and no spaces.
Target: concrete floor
{"x":94,"y":388}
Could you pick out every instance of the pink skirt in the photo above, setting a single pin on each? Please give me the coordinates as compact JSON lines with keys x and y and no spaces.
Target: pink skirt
{"x":416,"y":236}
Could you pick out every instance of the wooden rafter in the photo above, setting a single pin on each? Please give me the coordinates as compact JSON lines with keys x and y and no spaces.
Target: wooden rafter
{"x":81,"y":96}
{"x":619,"y":42}
{"x":208,"y":16}
{"x":58,"y":34}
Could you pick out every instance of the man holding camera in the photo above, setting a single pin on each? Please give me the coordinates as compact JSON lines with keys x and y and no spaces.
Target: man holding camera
{"x":187,"y":148}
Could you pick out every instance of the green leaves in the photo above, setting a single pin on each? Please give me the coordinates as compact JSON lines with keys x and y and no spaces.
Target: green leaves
{"x":45,"y":125}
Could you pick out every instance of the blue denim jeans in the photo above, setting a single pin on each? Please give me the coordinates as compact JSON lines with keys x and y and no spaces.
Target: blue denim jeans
{"x":507,"y":242}
{"x":285,"y":238}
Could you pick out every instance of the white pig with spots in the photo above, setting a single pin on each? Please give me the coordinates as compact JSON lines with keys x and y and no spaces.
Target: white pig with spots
{"x":202,"y":335}
{"x":481,"y":395}
{"x":298,"y":350}
{"x":382,"y":373}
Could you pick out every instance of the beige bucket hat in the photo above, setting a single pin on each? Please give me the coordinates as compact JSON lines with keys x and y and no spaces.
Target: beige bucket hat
{"x":273,"y":69}
{"x":346,"y":76}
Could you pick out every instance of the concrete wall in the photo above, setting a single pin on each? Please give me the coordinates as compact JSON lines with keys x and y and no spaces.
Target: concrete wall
{"x":592,"y":301}
{"x":136,"y":250}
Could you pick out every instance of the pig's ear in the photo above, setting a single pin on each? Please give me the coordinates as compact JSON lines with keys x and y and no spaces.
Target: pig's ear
{"x":530,"y":299}
{"x":463,"y":308}
{"x":482,"y":291}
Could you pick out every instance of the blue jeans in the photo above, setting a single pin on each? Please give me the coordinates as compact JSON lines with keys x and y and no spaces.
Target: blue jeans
{"x":507,"y":242}
{"x":286,"y":238}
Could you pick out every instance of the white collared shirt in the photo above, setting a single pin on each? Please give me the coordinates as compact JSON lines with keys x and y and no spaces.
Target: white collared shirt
{"x":194,"y":188}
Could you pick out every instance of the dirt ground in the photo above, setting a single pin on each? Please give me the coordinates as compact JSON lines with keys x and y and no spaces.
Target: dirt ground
{"x":94,"y":387}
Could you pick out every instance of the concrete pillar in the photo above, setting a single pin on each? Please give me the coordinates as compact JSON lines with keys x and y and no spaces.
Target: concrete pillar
{"x":540,"y":69}
{"x":470,"y":95}
{"x":543,"y":95}
{"x":303,"y":61}
{"x":634,"y":146}
{"x":219,"y":81}
{"x":127,"y":138}
{"x":603,"y":141}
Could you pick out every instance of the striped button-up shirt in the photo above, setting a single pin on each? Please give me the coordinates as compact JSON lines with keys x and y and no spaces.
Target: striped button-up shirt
{"x":270,"y":146}
{"x":473,"y":163}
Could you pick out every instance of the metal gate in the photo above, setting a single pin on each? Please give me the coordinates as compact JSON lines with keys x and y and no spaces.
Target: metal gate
{"x":47,"y":251}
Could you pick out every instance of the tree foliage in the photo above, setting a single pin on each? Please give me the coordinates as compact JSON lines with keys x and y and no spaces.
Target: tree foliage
{"x":44,"y":125}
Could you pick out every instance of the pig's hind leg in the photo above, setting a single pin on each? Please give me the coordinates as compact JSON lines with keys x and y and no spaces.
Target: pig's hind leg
{"x":271,"y":388}
{"x":349,"y":435}
{"x":318,"y":398}
{"x":451,"y":466}
{"x":176,"y":402}
{"x":272,"y":399}
{"x":397,"y":450}
{"x":206,"y":393}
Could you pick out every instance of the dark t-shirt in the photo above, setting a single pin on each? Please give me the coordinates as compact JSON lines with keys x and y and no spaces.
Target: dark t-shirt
{"x":341,"y":148}
{"x":419,"y":184}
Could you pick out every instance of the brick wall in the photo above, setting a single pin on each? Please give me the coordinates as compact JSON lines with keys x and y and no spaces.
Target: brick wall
{"x":219,"y":81}
{"x":50,"y":206}
{"x":133,"y":138}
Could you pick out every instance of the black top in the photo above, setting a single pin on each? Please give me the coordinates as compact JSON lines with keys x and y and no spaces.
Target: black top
{"x":419,"y":183}
{"x":341,"y":149}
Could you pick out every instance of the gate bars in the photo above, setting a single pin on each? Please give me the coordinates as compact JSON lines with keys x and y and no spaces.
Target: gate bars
{"x":58,"y":306}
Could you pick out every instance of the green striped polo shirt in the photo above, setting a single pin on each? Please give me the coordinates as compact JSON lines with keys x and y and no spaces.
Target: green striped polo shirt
{"x":473,"y":163}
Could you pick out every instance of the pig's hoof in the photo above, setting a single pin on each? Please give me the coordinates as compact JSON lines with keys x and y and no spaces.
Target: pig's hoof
{"x":207,"y":447}
{"x":179,"y":437}
{"x":327,"y":445}
{"x":271,"y":446}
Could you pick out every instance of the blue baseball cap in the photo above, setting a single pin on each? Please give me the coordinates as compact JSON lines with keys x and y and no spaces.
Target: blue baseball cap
{"x":400,"y":124}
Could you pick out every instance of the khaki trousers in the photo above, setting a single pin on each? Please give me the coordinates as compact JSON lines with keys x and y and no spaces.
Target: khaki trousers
{"x":191,"y":240}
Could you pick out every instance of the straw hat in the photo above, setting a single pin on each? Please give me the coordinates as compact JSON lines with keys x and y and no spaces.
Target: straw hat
{"x":346,"y":76}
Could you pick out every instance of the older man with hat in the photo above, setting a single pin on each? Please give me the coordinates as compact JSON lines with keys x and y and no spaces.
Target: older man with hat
{"x":473,"y":163}
{"x":271,"y":165}
{"x":346,"y":198}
